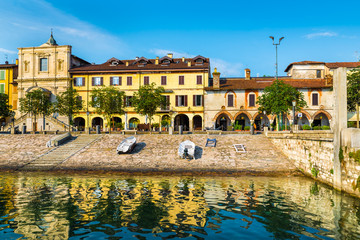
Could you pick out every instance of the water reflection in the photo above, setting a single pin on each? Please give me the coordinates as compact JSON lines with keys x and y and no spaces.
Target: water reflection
{"x":140,"y":207}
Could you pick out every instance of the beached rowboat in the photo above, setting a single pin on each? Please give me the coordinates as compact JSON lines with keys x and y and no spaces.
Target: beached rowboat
{"x":127,"y":145}
{"x":187,"y":149}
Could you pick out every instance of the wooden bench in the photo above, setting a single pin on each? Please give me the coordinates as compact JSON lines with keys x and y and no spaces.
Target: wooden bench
{"x":129,"y":131}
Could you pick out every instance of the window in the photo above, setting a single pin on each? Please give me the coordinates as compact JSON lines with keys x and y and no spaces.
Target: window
{"x":146,"y":80}
{"x":181,"y":100}
{"x":43,"y":64}
{"x":2,"y":87}
{"x":251,"y":100}
{"x":198,"y":100}
{"x":167,"y":106}
{"x":318,"y":73}
{"x":2,"y":74}
{"x":129,"y":81}
{"x":163,"y":80}
{"x":115,"y":81}
{"x":199,"y":79}
{"x":128,"y":102}
{"x":230,"y":100}
{"x":315,"y":99}
{"x":79,"y":81}
{"x":181,"y":80}
{"x":97,"y":81}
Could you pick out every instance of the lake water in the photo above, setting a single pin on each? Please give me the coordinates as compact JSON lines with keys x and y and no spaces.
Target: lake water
{"x":38,"y":206}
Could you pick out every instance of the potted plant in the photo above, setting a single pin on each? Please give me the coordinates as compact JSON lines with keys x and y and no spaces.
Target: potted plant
{"x":155,"y":126}
{"x":165,"y":124}
{"x":247,"y":128}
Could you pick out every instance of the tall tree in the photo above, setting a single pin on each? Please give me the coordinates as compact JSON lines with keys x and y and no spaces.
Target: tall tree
{"x":108,"y":101}
{"x":353,"y":92}
{"x":5,"y":108}
{"x":68,"y":103}
{"x":148,"y":99}
{"x":277,"y":99}
{"x":36,"y":103}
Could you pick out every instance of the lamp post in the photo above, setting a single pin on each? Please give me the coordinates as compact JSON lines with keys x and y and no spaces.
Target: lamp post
{"x":276,"y":47}
{"x":294,"y":105}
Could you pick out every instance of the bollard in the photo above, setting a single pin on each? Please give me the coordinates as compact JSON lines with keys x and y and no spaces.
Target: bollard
{"x":97,"y":129}
{"x":180,"y":130}
{"x":23,"y":131}
{"x":171,"y":130}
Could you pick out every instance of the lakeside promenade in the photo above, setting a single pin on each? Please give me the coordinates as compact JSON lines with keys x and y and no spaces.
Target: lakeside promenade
{"x":155,"y":153}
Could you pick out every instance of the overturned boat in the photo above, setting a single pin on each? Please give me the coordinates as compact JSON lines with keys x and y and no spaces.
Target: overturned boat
{"x":187,"y":150}
{"x":127,"y":145}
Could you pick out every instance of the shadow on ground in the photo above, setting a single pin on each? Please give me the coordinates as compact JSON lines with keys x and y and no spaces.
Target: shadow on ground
{"x":198,"y":152}
{"x":139,"y":146}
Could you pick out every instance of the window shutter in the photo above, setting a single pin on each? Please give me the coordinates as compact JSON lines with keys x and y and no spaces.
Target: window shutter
{"x":315,"y":99}
{"x":230,"y":100}
{"x":176,"y":100}
{"x":251,"y":100}
{"x":83,"y":81}
{"x":163,"y":80}
{"x":101,"y":81}
{"x":186,"y":101}
{"x":93,"y":81}
{"x":202,"y":100}
{"x":167,"y":101}
{"x":120,"y":81}
{"x":199,"y":79}
{"x":75,"y":81}
{"x":111,"y":81}
{"x":194,"y":99}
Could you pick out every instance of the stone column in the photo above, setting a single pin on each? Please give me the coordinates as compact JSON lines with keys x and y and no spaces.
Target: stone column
{"x":126,"y":122}
{"x":339,"y":118}
{"x":191,"y":125}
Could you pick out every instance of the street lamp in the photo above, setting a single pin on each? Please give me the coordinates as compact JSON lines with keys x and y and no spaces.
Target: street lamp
{"x":294,"y":105}
{"x":276,"y":45}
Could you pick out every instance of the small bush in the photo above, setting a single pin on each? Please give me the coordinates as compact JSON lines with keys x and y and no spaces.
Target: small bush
{"x":314,"y":172}
{"x":341,"y":154}
{"x":306,"y":127}
{"x":247,"y":128}
{"x":332,"y":171}
{"x":355,"y":156}
{"x":317,"y":128}
{"x":325,"y":128}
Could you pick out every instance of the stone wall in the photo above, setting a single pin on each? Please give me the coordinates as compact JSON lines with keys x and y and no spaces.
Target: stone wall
{"x":312,"y":152}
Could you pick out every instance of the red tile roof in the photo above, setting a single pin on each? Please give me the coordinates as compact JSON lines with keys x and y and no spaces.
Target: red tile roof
{"x":262,"y":82}
{"x":302,"y":63}
{"x":343,"y":64}
{"x":136,"y":65}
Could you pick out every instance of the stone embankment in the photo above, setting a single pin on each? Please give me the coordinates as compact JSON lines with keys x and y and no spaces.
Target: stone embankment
{"x":157,"y":153}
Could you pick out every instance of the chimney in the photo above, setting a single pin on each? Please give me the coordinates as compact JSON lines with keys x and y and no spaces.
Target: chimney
{"x":127,"y":64}
{"x":247,"y":74}
{"x":183,"y":59}
{"x":189,"y":63}
{"x":17,"y":61}
{"x":216,"y":79}
{"x":136,"y":58}
{"x":170,"y":55}
{"x":6,"y":62}
{"x":157,"y":61}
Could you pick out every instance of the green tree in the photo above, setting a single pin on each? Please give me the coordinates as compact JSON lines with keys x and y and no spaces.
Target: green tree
{"x":5,"y":108}
{"x":277,"y":99}
{"x":108,"y":101}
{"x":148,"y":99}
{"x":68,"y":103}
{"x":353,"y":92}
{"x":36,"y":103}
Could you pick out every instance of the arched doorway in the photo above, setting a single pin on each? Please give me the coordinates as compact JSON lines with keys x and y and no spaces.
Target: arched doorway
{"x":321,"y":120}
{"x":97,"y":121}
{"x":133,"y":123}
{"x":223,"y":121}
{"x":79,"y":123}
{"x":116,"y":123}
{"x":301,"y":120}
{"x":182,"y":120}
{"x":242,"y":121}
{"x":197,"y":123}
{"x":261,"y":121}
{"x":165,"y":122}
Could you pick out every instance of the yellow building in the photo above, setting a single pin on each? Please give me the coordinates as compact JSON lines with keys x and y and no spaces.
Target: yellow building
{"x":8,"y":72}
{"x":184,"y":80}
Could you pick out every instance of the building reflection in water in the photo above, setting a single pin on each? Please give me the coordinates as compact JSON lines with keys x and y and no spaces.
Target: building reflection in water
{"x":61,"y":207}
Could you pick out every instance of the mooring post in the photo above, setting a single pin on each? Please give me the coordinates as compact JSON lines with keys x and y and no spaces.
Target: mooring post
{"x":340,"y":119}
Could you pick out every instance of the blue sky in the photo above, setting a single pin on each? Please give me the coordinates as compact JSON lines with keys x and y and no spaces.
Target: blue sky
{"x":234,"y":34}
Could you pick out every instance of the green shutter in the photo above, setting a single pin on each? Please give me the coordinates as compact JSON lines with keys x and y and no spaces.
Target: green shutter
{"x":2,"y":88}
{"x":2,"y":74}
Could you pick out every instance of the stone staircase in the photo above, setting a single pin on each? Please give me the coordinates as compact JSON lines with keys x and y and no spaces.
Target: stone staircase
{"x":56,"y":156}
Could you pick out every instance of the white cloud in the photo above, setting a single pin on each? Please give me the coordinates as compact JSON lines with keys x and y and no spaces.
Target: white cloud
{"x":3,"y":50}
{"x":226,"y":68}
{"x":164,"y":52}
{"x":321,"y":34}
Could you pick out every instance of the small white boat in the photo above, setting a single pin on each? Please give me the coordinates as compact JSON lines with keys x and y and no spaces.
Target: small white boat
{"x":127,"y":145}
{"x":187,"y":149}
